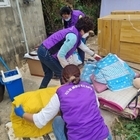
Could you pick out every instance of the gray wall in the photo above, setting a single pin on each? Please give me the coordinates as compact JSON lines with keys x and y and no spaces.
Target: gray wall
{"x":12,"y":45}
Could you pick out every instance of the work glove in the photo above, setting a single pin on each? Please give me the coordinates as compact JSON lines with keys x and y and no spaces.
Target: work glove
{"x":19,"y":111}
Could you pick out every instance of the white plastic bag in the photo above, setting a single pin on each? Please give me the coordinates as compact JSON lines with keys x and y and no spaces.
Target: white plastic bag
{"x":74,"y":59}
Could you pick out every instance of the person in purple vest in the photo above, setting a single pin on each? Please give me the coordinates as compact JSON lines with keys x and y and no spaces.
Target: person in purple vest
{"x":54,"y":51}
{"x":81,"y":118}
{"x":70,"y":18}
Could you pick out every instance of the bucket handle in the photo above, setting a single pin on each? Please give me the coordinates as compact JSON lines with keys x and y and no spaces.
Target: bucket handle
{"x":13,"y":77}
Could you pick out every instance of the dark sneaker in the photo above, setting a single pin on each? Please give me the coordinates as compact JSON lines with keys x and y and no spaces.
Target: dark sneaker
{"x":55,"y":77}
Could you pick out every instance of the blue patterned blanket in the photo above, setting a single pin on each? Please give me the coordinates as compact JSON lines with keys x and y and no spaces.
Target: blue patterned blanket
{"x":112,"y":71}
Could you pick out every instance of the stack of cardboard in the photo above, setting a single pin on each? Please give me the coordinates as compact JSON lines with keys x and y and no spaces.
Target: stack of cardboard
{"x":119,"y":33}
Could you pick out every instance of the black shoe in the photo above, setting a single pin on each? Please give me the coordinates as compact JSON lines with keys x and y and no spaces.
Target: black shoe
{"x":55,"y":77}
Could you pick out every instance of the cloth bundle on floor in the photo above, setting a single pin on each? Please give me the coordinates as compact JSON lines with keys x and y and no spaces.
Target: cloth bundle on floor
{"x":117,"y":102}
{"x":113,"y":79}
{"x":111,"y":71}
{"x":32,"y":102}
{"x":114,"y":72}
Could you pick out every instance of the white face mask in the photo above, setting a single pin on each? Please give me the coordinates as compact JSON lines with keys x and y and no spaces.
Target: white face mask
{"x":67,"y":19}
{"x":85,"y":35}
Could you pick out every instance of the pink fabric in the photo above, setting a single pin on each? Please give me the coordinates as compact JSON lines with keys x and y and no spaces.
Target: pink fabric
{"x":99,"y":87}
{"x":137,"y":75}
{"x":111,"y":104}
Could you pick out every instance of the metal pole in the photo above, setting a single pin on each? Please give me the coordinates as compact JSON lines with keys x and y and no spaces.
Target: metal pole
{"x":22,"y":26}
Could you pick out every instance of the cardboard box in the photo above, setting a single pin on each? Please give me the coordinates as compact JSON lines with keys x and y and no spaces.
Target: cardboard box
{"x":35,"y":67}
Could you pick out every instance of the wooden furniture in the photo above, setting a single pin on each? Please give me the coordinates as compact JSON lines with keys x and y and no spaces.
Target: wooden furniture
{"x":120,"y":34}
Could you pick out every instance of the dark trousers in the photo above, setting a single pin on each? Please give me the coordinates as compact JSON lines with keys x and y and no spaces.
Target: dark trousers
{"x":49,"y":64}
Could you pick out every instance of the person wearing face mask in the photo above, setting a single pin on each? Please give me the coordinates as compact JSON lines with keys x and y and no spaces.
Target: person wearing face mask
{"x":54,"y":51}
{"x":70,"y":18}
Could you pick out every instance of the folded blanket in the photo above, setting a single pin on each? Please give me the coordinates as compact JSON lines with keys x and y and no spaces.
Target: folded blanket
{"x":130,"y":113}
{"x":117,"y":100}
{"x":117,"y":74}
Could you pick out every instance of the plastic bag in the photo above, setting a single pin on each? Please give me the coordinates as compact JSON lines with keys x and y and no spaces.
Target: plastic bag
{"x":74,"y":59}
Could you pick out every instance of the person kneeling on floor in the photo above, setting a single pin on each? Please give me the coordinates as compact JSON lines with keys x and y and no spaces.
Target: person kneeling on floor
{"x":81,"y":118}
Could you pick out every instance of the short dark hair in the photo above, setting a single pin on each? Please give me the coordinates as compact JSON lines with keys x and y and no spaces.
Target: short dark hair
{"x":85,"y":24}
{"x":65,"y":10}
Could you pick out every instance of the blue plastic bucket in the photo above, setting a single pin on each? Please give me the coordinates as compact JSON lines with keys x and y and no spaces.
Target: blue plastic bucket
{"x":13,"y":81}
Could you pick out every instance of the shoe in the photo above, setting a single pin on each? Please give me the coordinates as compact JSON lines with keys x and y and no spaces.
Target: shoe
{"x":55,"y":77}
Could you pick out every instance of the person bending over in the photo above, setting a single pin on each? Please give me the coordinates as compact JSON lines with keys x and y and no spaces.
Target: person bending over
{"x":54,"y":51}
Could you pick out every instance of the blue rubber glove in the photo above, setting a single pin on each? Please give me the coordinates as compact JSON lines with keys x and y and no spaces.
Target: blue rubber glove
{"x":19,"y":111}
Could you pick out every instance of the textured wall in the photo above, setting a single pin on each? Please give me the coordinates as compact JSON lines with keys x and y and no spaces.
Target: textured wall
{"x":12,"y":45}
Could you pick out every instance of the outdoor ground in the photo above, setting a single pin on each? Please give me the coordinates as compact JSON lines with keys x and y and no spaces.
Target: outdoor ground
{"x":32,"y":83}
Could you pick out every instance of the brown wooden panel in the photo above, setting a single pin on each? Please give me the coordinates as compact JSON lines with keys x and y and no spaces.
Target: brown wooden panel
{"x":105,"y":32}
{"x":130,"y":52}
{"x":124,"y":12}
{"x":123,"y":17}
{"x":115,"y":37}
{"x":100,"y":35}
{"x":130,"y":31}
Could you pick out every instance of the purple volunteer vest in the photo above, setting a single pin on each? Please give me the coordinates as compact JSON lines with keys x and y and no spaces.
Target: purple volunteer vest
{"x":81,"y":113}
{"x":54,"y":42}
{"x":74,"y":18}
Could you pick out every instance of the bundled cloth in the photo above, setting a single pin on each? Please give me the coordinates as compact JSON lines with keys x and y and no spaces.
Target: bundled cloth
{"x":112,"y":79}
{"x":125,"y":103}
{"x":110,"y":70}
{"x":32,"y":102}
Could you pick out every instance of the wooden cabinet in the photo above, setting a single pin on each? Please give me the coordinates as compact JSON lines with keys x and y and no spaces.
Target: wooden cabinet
{"x":120,"y":34}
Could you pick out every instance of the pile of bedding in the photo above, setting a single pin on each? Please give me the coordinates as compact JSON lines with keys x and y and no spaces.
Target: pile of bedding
{"x":112,"y":79}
